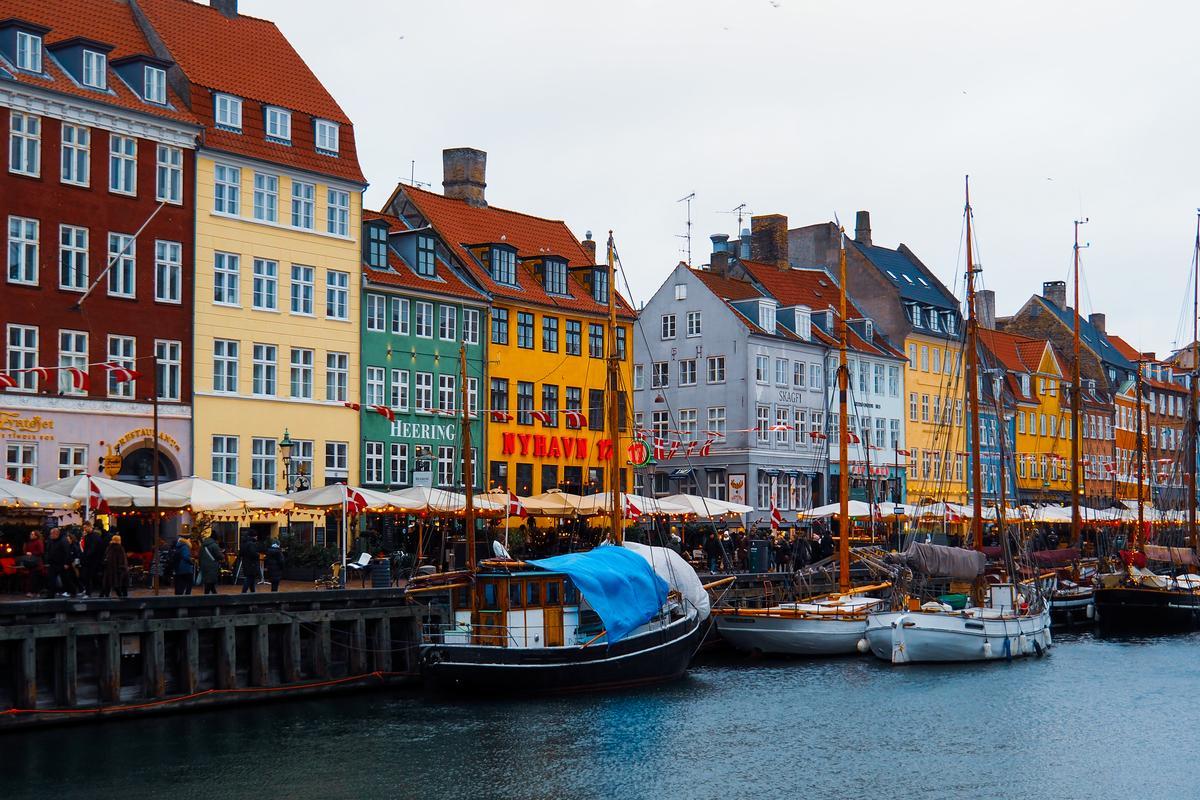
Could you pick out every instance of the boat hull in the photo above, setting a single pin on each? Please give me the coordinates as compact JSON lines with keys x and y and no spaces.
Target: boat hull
{"x":903,"y":637}
{"x":1138,"y":609}
{"x":1072,"y":607}
{"x":792,"y":636}
{"x":650,"y":657}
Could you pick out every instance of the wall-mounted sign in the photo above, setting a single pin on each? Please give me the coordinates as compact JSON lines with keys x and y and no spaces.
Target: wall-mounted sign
{"x":15,"y":425}
{"x":447,"y":432}
{"x":538,"y":445}
{"x":423,"y":478}
{"x":138,"y":434}
{"x":639,"y":453}
{"x":737,"y":488}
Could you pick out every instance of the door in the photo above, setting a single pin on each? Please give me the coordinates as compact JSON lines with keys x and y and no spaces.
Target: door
{"x":553,"y":621}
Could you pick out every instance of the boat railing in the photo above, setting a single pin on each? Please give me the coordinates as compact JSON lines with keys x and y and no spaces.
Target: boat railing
{"x":490,"y":635}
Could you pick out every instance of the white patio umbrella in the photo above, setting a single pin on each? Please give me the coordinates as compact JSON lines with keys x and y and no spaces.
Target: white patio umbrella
{"x":595,"y":504}
{"x":14,"y":494}
{"x":707,"y":507}
{"x":435,"y":501}
{"x":118,"y":494}
{"x":332,"y":496}
{"x":553,"y":503}
{"x":857,"y":509}
{"x":202,"y":495}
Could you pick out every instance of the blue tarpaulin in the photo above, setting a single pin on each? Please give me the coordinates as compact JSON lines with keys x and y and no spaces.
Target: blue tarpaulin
{"x":619,"y":584}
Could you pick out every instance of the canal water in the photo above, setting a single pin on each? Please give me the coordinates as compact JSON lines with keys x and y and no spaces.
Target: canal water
{"x":1096,"y":718}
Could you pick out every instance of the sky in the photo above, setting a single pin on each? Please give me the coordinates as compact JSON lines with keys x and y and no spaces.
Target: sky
{"x":605,"y":114}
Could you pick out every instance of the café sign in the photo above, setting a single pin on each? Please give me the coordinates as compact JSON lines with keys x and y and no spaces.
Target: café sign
{"x":15,"y":425}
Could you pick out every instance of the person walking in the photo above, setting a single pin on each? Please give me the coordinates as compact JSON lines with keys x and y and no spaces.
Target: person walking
{"x":116,"y":569}
{"x":250,"y":571}
{"x":56,"y":563}
{"x":182,"y":566}
{"x":33,"y":559}
{"x":93,"y":559}
{"x":210,"y":562}
{"x":274,"y":564}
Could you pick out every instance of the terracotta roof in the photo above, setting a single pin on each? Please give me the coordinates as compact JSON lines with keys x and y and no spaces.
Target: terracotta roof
{"x":727,"y":288}
{"x":1125,"y":348}
{"x":250,"y":58}
{"x":1017,"y":354}
{"x":461,"y":224}
{"x":106,"y":21}
{"x":1131,"y":353}
{"x":403,"y":275}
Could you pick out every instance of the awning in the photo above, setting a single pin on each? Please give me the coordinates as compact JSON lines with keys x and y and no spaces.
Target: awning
{"x":682,"y":473}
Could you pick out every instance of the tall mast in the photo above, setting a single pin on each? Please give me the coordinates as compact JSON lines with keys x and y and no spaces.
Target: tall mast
{"x":973,"y":385}
{"x":616,"y":512}
{"x":1141,"y":457}
{"x":1076,"y":390}
{"x":1190,"y":482}
{"x":468,"y":469}
{"x":843,"y":433}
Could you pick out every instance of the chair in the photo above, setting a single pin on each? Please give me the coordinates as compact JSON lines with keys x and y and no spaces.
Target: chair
{"x":362,"y":567}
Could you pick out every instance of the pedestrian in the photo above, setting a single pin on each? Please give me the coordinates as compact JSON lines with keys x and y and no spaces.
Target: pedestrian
{"x":93,"y":559}
{"x":32,"y":559}
{"x":181,"y":566}
{"x":210,"y":562}
{"x":56,"y":563}
{"x":274,"y":564}
{"x":712,"y":549}
{"x":116,"y":569}
{"x":250,"y":571}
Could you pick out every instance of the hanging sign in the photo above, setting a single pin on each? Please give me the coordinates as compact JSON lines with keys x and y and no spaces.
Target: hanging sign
{"x":639,"y":453}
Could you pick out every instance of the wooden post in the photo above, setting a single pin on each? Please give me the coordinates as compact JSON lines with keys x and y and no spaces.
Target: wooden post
{"x":110,"y":667}
{"x":27,"y":668}
{"x":358,"y":646}
{"x":227,"y":657}
{"x":383,"y":645}
{"x":154,"y":663}
{"x":68,"y":672}
{"x":190,"y":662}
{"x":321,"y":650}
{"x":291,"y":653}
{"x":260,"y":656}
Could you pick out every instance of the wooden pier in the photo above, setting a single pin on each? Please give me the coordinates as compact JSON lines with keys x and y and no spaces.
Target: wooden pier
{"x":75,"y":660}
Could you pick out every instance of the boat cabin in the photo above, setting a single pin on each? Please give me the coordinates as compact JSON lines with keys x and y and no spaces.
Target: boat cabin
{"x":532,"y":609}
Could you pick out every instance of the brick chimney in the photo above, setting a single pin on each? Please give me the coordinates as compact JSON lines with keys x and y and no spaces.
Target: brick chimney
{"x":463,"y":173}
{"x":985,"y":308}
{"x":1097,"y":321}
{"x":769,"y":240}
{"x":1055,"y":292}
{"x":589,"y":244}
{"x":228,"y":8}
{"x":862,"y":228}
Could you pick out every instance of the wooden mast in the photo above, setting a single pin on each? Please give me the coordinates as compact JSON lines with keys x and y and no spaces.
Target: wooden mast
{"x":1190,"y":482}
{"x":616,"y":511}
{"x":972,"y":361}
{"x":1141,"y":458}
{"x":843,"y":433}
{"x":1076,"y":391}
{"x":468,"y":469}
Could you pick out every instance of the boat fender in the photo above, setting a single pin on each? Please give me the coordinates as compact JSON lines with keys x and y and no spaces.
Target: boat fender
{"x":987,"y":649}
{"x":863,"y":646}
{"x":1037,"y":648}
{"x":1022,"y":645}
{"x":899,"y":650}
{"x":1007,"y":649}
{"x":1090,"y":610}
{"x":1046,"y":639}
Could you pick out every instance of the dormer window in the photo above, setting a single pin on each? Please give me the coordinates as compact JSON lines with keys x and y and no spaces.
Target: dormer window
{"x":1025,"y":385}
{"x":279,"y":124}
{"x":426,"y":256}
{"x":95,"y":67}
{"x":804,"y":323}
{"x":949,"y":320}
{"x":933,"y":319}
{"x":914,"y":314}
{"x":29,"y":52}
{"x":868,"y":330}
{"x":504,"y":265}
{"x":326,"y":134}
{"x":155,"y":85}
{"x":377,"y":246}
{"x":227,"y":111}
{"x":555,"y":279}
{"x":766,"y":317}
{"x":600,"y":285}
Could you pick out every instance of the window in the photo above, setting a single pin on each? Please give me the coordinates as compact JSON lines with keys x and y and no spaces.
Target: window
{"x":762,"y":369}
{"x":782,"y":415}
{"x":550,"y":404}
{"x":24,"y":144}
{"x":447,"y":389}
{"x":29,"y":53}
{"x":716,"y":421}
{"x":924,"y":408}
{"x":122,"y":164}
{"x":76,"y":155}
{"x":225,"y":365}
{"x":376,"y":381}
{"x":424,"y":320}
{"x":499,"y":326}
{"x":781,"y":372}
{"x":302,"y":289}
{"x":398,"y":466}
{"x":23,"y":250}
{"x":337,"y":294}
{"x":574,"y":343}
{"x":122,"y":351}
{"x":266,"y":197}
{"x":376,"y":312}
{"x":668,"y":326}
{"x":660,"y":423}
{"x":398,"y":399}
{"x":595,"y":340}
{"x":499,"y":392}
{"x":226,"y":270}
{"x":447,"y":323}
{"x":550,"y":334}
{"x":326,"y":135}
{"x":600,"y":285}
{"x":72,"y":352}
{"x":687,"y":372}
{"x":524,"y":402}
{"x":893,"y":433}
{"x":470,"y":326}
{"x":278,"y":124}
{"x":122,"y":275}
{"x":660,"y":375}
{"x":912,"y":406}
{"x":423,"y":388}
{"x":154,"y":85}
{"x":693,"y":323}
{"x":262,"y":464}
{"x":94,"y":69}
{"x":574,"y":400}
{"x":504,"y":265}
{"x":798,"y":374}
{"x":337,"y":377}
{"x":763,"y":422}
{"x":556,"y":276}
{"x":337,"y":212}
{"x":72,"y":460}
{"x":225,"y":459}
{"x":228,"y":112}
{"x":400,"y":320}
{"x":227,"y":189}
{"x":525,"y":330}
{"x":303,"y":204}
{"x":620,"y":332}
{"x":262,"y":382}
{"x":426,"y":256}
{"x":596,"y":409}
{"x":168,"y":184}
{"x":639,"y":376}
{"x":924,"y":358}
{"x":446,"y":467}
{"x":716,"y":369}
{"x":22,"y":355}
{"x":266,"y":285}
{"x":893,"y":381}
{"x":302,"y":373}
{"x":168,"y":272}
{"x":336,"y":459}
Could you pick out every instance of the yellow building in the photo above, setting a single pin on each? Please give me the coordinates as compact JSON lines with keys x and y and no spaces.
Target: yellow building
{"x":547,"y":339}
{"x":934,"y":431}
{"x":278,"y":260}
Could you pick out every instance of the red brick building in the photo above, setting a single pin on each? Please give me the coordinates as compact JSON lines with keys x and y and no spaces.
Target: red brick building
{"x":96,"y":198}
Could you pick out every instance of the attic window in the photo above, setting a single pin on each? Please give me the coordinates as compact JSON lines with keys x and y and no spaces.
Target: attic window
{"x":949,"y":322}
{"x":555,"y":279}
{"x":914,"y":314}
{"x":1025,"y":387}
{"x":504,"y":266}
{"x":94,"y":69}
{"x":154,"y":89}
{"x":377,"y":246}
{"x":600,"y":285}
{"x":426,"y":260}
{"x":933,"y":319}
{"x":892,"y":275}
{"x":29,"y":52}
{"x":923,"y":281}
{"x":278,"y":123}
{"x":910,"y":280}
{"x":868,"y":330}
{"x":804,"y":323}
{"x":326,"y":135}
{"x":766,"y":317}
{"x":227,"y":111}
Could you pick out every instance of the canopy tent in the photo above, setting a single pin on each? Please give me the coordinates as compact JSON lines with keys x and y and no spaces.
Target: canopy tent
{"x":619,"y":585}
{"x":117,"y":494}
{"x":204,"y":495}
{"x":858,"y":509}
{"x":679,"y":575}
{"x":417,"y":499}
{"x":596,"y":504}
{"x":950,"y":512}
{"x":707,"y":507}
{"x":17,"y":495}
{"x":552,"y":503}
{"x":332,"y":496}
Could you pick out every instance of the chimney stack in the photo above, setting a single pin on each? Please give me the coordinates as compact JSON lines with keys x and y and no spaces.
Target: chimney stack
{"x":1056,"y":293}
{"x":769,"y":240}
{"x":1097,"y":321}
{"x":718,"y":264}
{"x":228,"y":8}
{"x":463,"y":172}
{"x":720,"y":242}
{"x":985,"y":308}
{"x":589,"y":244}
{"x":862,"y":228}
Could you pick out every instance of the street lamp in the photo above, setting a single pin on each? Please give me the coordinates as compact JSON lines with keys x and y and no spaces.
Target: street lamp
{"x":285,"y":451}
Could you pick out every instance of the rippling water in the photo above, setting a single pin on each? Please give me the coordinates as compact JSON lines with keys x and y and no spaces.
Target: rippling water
{"x":1097,"y":718}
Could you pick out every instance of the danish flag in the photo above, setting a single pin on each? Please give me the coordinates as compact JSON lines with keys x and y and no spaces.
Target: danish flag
{"x":817,"y":435}
{"x":7,"y":381}
{"x":96,"y":501}
{"x":691,"y":448}
{"x":776,"y":517}
{"x":673,"y":450}
{"x":541,"y":416}
{"x":355,"y":502}
{"x":660,"y":449}
{"x":79,"y":379}
{"x":384,"y":412}
{"x":515,"y":507}
{"x":500,"y":416}
{"x":575,"y":419}
{"x":631,"y":512}
{"x":120,"y":374}
{"x":905,"y":453}
{"x":353,"y":406}
{"x":853,"y":437}
{"x":706,"y":448}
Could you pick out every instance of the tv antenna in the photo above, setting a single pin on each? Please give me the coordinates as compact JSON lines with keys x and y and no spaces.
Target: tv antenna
{"x":688,"y":235}
{"x":742,"y":212}
{"x":412,"y":176}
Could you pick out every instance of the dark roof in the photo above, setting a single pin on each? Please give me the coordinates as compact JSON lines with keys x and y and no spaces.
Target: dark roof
{"x":401,"y":274}
{"x":1096,"y":341}
{"x":914,"y":282}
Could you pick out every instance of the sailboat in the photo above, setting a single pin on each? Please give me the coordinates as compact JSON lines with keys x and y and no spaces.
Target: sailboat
{"x":1009,"y":619}
{"x":621,"y":614}
{"x":832,"y":624}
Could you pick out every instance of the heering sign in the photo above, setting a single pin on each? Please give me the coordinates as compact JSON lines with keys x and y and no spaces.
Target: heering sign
{"x":539,"y":445}
{"x":425,"y":431}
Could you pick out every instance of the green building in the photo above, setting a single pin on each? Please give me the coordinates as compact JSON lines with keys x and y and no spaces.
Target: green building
{"x":417,"y":313}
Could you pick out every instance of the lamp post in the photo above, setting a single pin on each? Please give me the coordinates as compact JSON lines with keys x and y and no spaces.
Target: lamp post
{"x":285,"y":451}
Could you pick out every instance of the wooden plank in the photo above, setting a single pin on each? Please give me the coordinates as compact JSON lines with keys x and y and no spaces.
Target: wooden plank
{"x":227,"y":657}
{"x":68,"y":672}
{"x":358,"y":646}
{"x":322,"y":650}
{"x":190,"y":661}
{"x":260,"y":653}
{"x":26,"y":695}
{"x":383,"y":645}
{"x":110,"y":667}
{"x":291,"y":653}
{"x":154,"y":660}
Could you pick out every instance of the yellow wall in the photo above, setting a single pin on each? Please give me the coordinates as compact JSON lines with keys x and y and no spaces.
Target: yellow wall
{"x":928,"y":440}
{"x":1035,"y":464}
{"x":244,"y":415}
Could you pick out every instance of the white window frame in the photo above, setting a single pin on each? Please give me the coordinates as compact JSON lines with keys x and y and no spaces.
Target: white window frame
{"x":122,"y":164}
{"x":401,"y":316}
{"x":24,"y":144}
{"x":227,"y":189}
{"x":694,"y":324}
{"x":337,"y":377}
{"x":326,"y":136}
{"x":398,"y":464}
{"x":263,"y":466}
{"x":336,"y":459}
{"x":304,"y":205}
{"x":399,"y":390}
{"x":29,"y":52}
{"x":72,"y":460}
{"x":94,"y":72}
{"x":72,"y":352}
{"x":337,"y":295}
{"x":21,"y":353}
{"x":714,"y":369}
{"x":24,"y":250}
{"x":154,"y":85}
{"x":20,"y":462}
{"x":76,"y":155}
{"x":423,"y":392}
{"x":302,"y":290}
{"x":227,"y":111}
{"x":264,"y":375}
{"x":277,"y":123}
{"x":447,"y":323}
{"x":225,"y":449}
{"x":122,"y":351}
{"x":168,"y":354}
{"x":264,"y":295}
{"x":227,"y":273}
{"x":375,"y":386}
{"x":266,"y":197}
{"x":168,"y":174}
{"x":168,"y":272}
{"x":225,"y":366}
{"x":376,"y":313}
{"x":373,"y":463}
{"x":300,"y":375}
{"x":337,"y":212}
{"x":122,"y":275}
{"x":470,"y":326}
{"x":423,"y":320}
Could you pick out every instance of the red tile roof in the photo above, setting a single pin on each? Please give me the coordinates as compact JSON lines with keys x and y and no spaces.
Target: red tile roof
{"x":461,"y":224}
{"x":1017,"y":354}
{"x":1125,"y":348}
{"x":250,"y":58}
{"x":403,"y":275}
{"x":106,"y":21}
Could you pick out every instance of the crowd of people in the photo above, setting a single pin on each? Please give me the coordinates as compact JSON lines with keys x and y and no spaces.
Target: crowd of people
{"x":730,"y":550}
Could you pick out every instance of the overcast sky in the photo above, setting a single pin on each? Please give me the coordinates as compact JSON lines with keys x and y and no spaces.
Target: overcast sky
{"x":605,"y":114}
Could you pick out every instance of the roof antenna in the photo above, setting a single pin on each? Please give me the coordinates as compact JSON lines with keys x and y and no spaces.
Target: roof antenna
{"x":412,"y":176}
{"x":742,"y":212}
{"x":688,"y":235}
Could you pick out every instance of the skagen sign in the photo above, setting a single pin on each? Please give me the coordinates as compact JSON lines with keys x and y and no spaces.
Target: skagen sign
{"x":426,"y":431}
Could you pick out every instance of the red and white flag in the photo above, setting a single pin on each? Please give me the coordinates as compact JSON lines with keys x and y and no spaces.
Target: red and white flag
{"x":905,"y":453}
{"x":673,"y":449}
{"x":776,"y":517}
{"x":384,"y":412}
{"x":500,"y":416}
{"x":691,"y":448}
{"x":79,"y":379}
{"x":353,"y":406}
{"x":355,"y":502}
{"x":817,"y":435}
{"x":95,"y":500}
{"x":515,"y":507}
{"x":853,"y":437}
{"x":660,"y":449}
{"x":575,"y":419}
{"x":706,"y":448}
{"x":541,"y":416}
{"x":631,"y":511}
{"x":7,"y":381}
{"x":120,"y":374}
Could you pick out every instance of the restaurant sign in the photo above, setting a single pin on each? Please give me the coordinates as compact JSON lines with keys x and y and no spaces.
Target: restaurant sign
{"x":15,"y":425}
{"x":539,"y":445}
